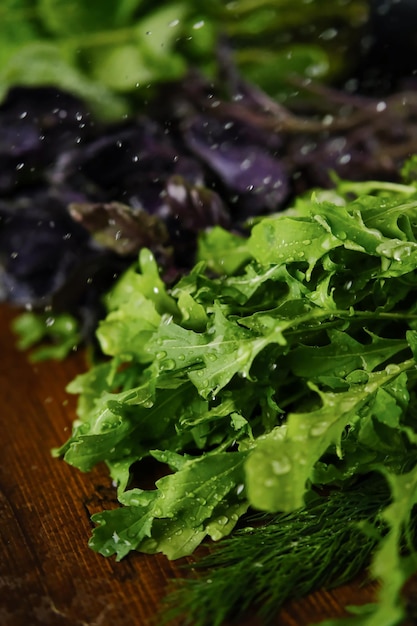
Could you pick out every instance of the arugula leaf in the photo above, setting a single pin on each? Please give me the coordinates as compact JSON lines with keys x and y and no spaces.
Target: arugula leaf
{"x":60,"y":334}
{"x":343,"y":355}
{"x":183,"y":510}
{"x":278,"y":469}
{"x":121,"y":531}
{"x":286,"y":240}
{"x":223,"y":251}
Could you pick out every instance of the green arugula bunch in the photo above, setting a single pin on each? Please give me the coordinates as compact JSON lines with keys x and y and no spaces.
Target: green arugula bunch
{"x":280,"y":369}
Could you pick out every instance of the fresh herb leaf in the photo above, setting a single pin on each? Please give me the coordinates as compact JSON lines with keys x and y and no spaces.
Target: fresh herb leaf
{"x":57,"y":334}
{"x":199,"y":499}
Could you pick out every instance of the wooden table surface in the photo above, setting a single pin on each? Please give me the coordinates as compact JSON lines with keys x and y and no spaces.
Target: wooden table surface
{"x":48,"y":575}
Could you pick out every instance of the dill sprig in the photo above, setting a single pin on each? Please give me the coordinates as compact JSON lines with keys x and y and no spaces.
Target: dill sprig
{"x":282,"y":556}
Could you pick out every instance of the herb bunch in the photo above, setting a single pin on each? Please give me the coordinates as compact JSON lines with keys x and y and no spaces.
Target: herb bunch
{"x":280,"y":556}
{"x":291,"y":370}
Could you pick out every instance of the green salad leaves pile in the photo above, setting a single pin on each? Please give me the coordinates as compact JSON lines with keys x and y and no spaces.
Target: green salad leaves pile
{"x":280,"y":371}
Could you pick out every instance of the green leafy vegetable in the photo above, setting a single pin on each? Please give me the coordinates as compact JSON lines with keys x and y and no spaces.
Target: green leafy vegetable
{"x":283,"y":556}
{"x":109,"y":53}
{"x":292,"y":371}
{"x":58,"y":334}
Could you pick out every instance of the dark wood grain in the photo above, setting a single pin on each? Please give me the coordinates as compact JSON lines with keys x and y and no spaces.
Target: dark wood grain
{"x":48,"y":575}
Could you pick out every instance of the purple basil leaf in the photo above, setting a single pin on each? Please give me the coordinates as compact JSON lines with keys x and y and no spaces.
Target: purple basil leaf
{"x":35,"y":126}
{"x":246,"y":169}
{"x":129,"y":164}
{"x":120,"y":228}
{"x":39,"y":244}
{"x":194,"y":207}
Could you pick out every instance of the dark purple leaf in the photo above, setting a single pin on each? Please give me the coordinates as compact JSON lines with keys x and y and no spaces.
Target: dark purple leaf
{"x":120,"y":228}
{"x":35,"y":127}
{"x":245,"y":168}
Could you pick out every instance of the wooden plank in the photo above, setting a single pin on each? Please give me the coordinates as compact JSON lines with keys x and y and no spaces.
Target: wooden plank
{"x":48,"y":575}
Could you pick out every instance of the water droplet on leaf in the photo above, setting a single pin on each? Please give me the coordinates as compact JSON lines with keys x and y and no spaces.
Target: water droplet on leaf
{"x":281,"y":466}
